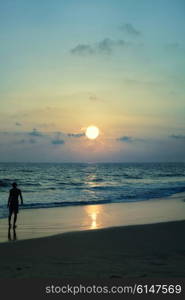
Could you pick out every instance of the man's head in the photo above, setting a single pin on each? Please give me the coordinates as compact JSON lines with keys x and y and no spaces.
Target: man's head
{"x":14,"y":184}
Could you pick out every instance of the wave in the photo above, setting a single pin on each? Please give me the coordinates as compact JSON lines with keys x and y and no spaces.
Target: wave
{"x":60,"y":204}
{"x":71,"y":183}
{"x":170,"y":175}
{"x":106,"y":187}
{"x":106,"y":199}
{"x":31,"y":184}
{"x":139,"y":195}
{"x":97,"y":180}
{"x":132,"y":176}
{"x":6,"y":182}
{"x":65,"y":203}
{"x":25,"y":171}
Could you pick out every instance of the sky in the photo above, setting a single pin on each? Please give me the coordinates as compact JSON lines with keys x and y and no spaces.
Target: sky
{"x":115,"y":64}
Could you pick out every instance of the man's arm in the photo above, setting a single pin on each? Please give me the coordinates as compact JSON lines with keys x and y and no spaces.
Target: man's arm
{"x":20,"y":193}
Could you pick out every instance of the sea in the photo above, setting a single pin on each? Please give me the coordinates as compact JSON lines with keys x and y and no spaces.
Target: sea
{"x":46,"y":185}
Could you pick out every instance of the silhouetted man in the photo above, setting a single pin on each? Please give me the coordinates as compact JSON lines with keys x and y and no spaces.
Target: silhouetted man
{"x":13,"y":203}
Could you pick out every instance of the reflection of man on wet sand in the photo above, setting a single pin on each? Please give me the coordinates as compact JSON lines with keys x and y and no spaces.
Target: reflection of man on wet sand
{"x":13,"y":203}
{"x":10,"y":237}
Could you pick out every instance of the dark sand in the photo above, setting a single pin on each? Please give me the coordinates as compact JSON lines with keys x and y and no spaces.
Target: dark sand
{"x":153,"y":250}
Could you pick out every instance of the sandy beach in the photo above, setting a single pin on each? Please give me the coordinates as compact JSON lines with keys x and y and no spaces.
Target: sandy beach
{"x":96,"y":243}
{"x":155,"y":250}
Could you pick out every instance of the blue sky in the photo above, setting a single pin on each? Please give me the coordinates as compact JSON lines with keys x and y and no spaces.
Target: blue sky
{"x":68,"y":64}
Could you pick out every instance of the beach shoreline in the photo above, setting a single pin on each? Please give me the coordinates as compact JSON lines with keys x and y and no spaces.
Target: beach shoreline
{"x":36,"y":223}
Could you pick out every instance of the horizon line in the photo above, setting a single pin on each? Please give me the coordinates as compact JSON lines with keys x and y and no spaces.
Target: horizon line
{"x":73,"y":162}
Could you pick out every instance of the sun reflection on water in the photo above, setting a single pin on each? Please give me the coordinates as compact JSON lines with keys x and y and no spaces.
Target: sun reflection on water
{"x":93,"y":213}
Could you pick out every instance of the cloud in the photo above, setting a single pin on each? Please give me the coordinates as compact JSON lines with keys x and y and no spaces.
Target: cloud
{"x":58,"y":142}
{"x":24,"y":141}
{"x":36,"y":133}
{"x":130,"y":29}
{"x":57,"y":139}
{"x":105,"y":46}
{"x":82,"y":49}
{"x":18,"y":124}
{"x":76,"y":135}
{"x":93,"y":97}
{"x":129,"y":139}
{"x":177,"y":136}
{"x":58,"y":134}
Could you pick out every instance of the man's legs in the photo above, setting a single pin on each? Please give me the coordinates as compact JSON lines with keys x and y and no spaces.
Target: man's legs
{"x":9,"y":218}
{"x":15,"y":219}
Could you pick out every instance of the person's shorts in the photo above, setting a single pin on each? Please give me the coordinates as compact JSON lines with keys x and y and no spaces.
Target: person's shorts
{"x":13,"y":208}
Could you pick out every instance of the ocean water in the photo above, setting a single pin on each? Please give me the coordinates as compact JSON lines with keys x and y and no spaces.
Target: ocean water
{"x":46,"y":185}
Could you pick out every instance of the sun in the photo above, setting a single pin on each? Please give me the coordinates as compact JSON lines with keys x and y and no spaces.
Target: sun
{"x":92,"y":132}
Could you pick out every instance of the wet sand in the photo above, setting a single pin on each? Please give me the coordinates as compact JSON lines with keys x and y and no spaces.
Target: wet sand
{"x":47,"y":222}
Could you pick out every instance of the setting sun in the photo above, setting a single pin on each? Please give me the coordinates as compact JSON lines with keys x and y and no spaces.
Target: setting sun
{"x":92,"y":132}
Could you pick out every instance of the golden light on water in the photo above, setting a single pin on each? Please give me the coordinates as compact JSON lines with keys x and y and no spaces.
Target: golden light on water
{"x":93,"y":212}
{"x":92,"y":132}
{"x":93,"y":217}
